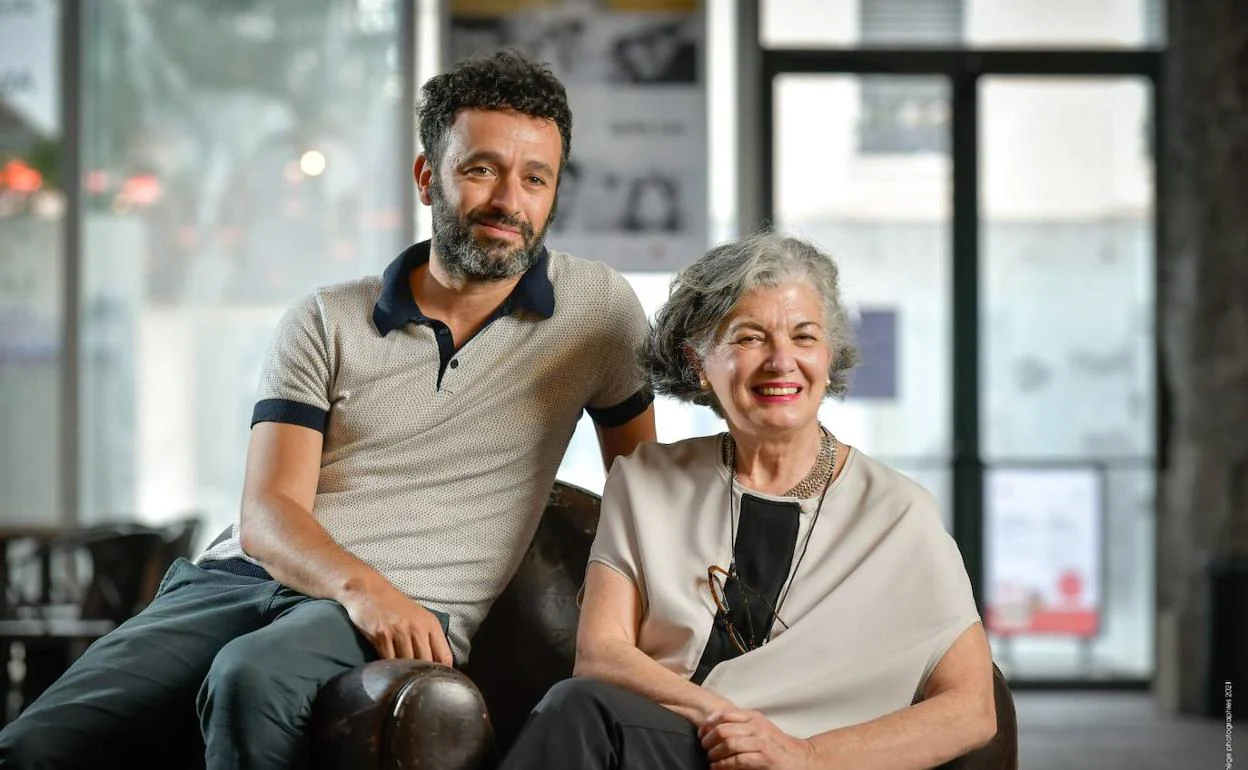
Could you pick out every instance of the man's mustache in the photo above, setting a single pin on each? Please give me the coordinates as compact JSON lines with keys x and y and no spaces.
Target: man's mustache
{"x":498,"y":218}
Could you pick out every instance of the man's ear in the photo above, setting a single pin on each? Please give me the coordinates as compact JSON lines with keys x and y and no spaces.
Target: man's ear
{"x":422,"y":171}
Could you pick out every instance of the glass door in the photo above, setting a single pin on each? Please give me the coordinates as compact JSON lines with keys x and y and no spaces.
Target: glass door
{"x":862,"y":168}
{"x":1043,"y":183}
{"x":1067,"y":374}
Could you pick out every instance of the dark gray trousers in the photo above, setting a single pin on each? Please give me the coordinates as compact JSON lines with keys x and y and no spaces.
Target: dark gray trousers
{"x":584,"y":724}
{"x":236,"y":659}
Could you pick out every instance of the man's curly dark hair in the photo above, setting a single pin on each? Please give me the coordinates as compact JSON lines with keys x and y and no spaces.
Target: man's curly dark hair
{"x":505,"y":80}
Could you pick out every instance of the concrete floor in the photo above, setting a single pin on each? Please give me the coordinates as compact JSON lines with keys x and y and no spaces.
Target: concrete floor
{"x":1116,"y":731}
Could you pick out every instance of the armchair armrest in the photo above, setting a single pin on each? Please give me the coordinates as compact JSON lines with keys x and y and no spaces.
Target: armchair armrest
{"x":401,"y":714}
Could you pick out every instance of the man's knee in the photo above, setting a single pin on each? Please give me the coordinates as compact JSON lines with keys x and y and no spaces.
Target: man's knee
{"x":24,"y":744}
{"x":240,"y":675}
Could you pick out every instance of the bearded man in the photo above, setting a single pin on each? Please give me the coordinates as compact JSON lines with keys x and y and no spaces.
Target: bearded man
{"x":405,"y":438}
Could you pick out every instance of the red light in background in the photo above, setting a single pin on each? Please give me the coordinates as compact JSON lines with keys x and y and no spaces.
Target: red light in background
{"x":143,"y":190}
{"x":19,"y":177}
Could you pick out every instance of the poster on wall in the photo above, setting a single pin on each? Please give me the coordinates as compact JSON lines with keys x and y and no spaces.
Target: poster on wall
{"x":1043,"y":532}
{"x":875,"y":334}
{"x":634,"y":192}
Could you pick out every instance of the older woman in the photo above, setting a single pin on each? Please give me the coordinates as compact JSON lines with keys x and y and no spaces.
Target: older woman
{"x":769,"y":597}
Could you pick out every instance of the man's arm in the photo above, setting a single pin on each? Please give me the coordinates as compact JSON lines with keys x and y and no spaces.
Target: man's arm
{"x":623,"y":439}
{"x":278,"y":530}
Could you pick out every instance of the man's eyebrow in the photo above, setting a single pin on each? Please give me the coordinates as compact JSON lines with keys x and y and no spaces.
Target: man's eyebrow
{"x":540,"y":166}
{"x":490,"y":156}
{"x":481,"y":156}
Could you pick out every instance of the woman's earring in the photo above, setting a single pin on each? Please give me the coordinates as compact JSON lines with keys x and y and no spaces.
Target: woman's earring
{"x":702,"y":383}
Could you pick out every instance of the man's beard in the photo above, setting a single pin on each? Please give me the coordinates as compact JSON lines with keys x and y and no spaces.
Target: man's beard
{"x":487,"y":259}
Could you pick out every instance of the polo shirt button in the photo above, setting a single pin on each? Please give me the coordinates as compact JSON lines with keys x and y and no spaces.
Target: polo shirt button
{"x":454,"y":363}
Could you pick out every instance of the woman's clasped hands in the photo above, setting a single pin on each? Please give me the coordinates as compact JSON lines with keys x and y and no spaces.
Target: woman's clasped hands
{"x":737,"y":739}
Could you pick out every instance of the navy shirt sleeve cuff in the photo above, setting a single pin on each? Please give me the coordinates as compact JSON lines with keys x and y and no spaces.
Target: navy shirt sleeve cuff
{"x":615,"y":416}
{"x":293,"y":412}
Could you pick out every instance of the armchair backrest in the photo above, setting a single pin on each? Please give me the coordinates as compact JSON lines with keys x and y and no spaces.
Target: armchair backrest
{"x":528,"y":641}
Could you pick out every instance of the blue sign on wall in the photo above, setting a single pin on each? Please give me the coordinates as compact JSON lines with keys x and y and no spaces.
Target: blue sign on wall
{"x":876,"y":376}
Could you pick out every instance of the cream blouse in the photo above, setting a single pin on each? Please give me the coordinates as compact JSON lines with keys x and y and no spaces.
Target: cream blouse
{"x":880,"y":596}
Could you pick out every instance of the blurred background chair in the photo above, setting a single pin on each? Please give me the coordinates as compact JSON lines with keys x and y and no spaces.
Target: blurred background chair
{"x":66,"y":587}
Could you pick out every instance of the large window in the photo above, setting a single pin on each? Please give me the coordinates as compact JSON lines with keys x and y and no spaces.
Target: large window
{"x":1024,"y":312}
{"x":885,"y":219}
{"x":1068,"y":371}
{"x":238,"y":155}
{"x":32,"y":207}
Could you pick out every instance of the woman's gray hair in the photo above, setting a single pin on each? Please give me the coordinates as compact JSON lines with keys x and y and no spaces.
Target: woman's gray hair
{"x":707,"y":291}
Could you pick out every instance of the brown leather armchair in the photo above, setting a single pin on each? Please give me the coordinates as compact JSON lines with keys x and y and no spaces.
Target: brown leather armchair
{"x":410,"y":714}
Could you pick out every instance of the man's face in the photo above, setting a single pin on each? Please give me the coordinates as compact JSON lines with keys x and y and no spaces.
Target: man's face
{"x":493,"y":193}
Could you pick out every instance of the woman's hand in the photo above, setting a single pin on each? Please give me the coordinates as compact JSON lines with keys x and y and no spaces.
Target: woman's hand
{"x":747,"y":740}
{"x":709,"y":706}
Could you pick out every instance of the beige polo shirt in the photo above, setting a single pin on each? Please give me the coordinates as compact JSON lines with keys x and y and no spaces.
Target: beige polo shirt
{"x":437,"y":461}
{"x":880,"y":596}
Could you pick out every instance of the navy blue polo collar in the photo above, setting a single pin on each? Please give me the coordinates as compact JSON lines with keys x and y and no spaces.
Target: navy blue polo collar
{"x":396,"y":307}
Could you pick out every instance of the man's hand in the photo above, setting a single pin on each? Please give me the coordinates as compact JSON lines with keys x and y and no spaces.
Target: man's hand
{"x":397,"y":626}
{"x":747,"y":740}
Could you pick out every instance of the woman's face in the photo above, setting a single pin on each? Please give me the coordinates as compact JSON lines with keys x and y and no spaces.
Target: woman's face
{"x":769,"y":364}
